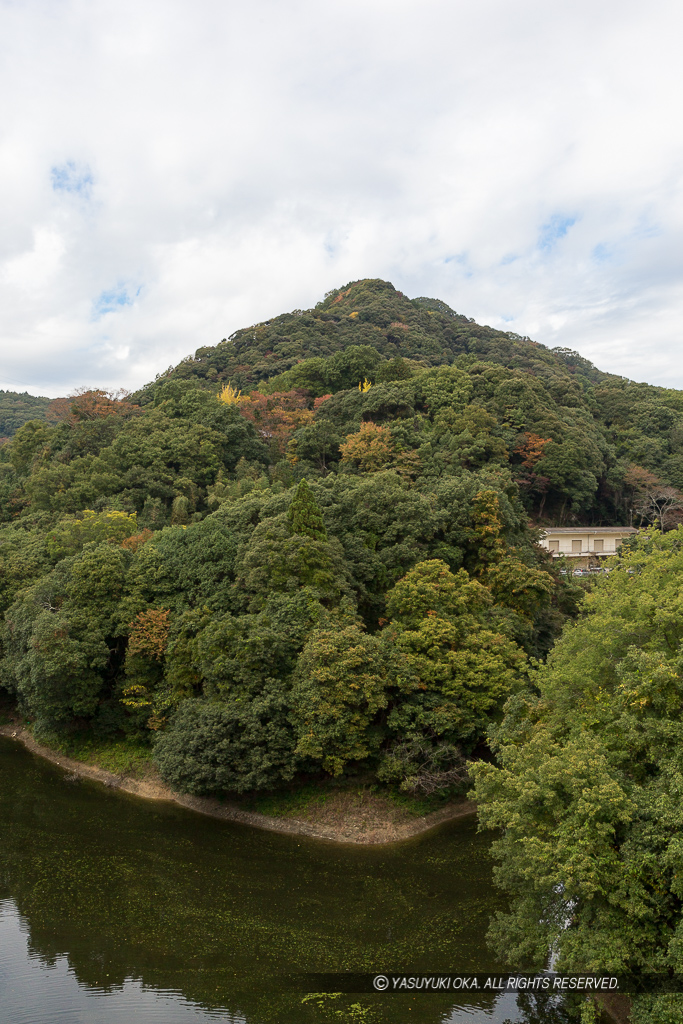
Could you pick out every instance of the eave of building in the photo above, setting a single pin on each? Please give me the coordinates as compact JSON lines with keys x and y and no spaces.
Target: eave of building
{"x":588,"y":530}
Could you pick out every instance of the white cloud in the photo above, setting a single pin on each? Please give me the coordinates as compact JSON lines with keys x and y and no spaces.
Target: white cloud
{"x":174,"y":171}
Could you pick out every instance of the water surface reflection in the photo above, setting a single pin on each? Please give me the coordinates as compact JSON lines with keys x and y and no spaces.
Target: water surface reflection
{"x":116,"y":909}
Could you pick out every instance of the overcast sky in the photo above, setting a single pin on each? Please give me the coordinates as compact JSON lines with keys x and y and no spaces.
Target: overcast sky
{"x":173,"y":170}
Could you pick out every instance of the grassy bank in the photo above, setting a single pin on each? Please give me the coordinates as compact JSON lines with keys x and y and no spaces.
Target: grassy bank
{"x":120,"y":756}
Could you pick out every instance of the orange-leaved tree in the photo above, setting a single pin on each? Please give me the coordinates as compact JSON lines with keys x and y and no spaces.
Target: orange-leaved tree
{"x":144,"y":665}
{"x":91,"y":404}
{"x":149,"y":633}
{"x":137,"y":540}
{"x":277,"y":416}
{"x":531,"y":449}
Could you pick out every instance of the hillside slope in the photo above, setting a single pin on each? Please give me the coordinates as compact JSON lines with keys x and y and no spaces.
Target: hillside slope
{"x":370,"y":313}
{"x":606,"y":437}
{"x":443,"y":395}
{"x":310,"y":549}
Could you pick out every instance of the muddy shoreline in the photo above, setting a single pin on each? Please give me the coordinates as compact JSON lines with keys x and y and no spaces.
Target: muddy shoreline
{"x":349,"y":824}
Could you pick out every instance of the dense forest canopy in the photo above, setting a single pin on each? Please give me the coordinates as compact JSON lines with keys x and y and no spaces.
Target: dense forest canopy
{"x":370,"y":313}
{"x":235,"y":552}
{"x":152,"y":555}
{"x":601,"y":432}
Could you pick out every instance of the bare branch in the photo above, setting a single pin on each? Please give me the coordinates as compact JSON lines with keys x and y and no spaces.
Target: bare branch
{"x":662,"y":506}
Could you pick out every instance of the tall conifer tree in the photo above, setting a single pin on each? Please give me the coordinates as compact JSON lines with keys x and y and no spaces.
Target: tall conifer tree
{"x":304,"y":514}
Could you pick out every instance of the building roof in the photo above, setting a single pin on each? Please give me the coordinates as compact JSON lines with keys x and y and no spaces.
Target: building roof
{"x":588,"y":529}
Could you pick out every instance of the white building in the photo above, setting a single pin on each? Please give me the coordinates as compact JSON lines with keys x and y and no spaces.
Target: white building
{"x":587,"y":543}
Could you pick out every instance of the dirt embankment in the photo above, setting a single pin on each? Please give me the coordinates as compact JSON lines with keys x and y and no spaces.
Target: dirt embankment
{"x":343,"y":818}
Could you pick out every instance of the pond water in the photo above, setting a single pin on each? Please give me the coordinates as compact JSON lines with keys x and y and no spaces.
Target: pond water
{"x":115,"y":910}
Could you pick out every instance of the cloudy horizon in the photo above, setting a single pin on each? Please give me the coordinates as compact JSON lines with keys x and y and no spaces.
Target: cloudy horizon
{"x":173,"y":172}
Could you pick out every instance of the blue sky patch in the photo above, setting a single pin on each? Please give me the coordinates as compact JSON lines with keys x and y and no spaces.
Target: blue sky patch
{"x":555,"y":229}
{"x":113,"y":300}
{"x":72,"y":177}
{"x":602,"y":254}
{"x":461,"y":258}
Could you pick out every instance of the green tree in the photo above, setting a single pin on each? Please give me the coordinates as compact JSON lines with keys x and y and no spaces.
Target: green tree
{"x":23,"y":558}
{"x":340,"y":686}
{"x":239,"y":654}
{"x":28,"y":442}
{"x":228,"y":746}
{"x":456,"y":671}
{"x":587,"y":790}
{"x":273,"y":561}
{"x":470,"y":438}
{"x":304,"y":515}
{"x":71,"y":533}
{"x":317,"y":445}
{"x":62,"y":637}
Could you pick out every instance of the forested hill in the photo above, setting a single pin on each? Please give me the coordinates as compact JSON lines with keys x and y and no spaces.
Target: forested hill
{"x":311,"y":548}
{"x":17,"y":409}
{"x":439,"y":396}
{"x":370,"y":313}
{"x":580,"y":443}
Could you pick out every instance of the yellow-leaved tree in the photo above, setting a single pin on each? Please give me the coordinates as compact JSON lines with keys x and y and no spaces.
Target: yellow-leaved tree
{"x":370,"y":449}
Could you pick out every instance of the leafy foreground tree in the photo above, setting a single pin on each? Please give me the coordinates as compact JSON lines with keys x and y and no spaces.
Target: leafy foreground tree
{"x":589,"y":784}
